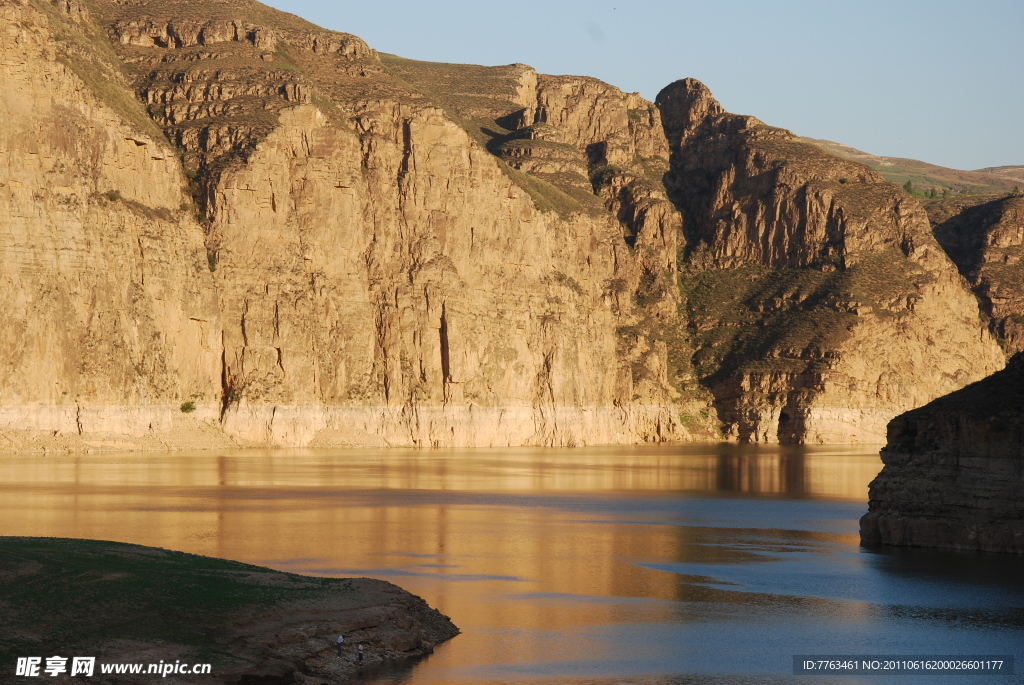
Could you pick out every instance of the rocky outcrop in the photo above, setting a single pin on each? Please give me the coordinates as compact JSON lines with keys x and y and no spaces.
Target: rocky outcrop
{"x":985,"y":238}
{"x":954,"y":471}
{"x":110,"y":316}
{"x":819,"y":302}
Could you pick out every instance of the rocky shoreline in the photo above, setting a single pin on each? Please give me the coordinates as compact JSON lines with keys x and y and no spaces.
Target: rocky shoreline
{"x":255,"y":626}
{"x":954,"y":471}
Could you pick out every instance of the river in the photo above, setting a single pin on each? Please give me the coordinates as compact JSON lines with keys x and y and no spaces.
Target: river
{"x":660,"y":564}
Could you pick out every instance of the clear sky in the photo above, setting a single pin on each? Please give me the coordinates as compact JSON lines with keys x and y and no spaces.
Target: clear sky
{"x":938,"y":81}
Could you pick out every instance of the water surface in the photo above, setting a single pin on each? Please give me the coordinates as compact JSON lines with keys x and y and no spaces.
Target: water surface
{"x":652,"y":564}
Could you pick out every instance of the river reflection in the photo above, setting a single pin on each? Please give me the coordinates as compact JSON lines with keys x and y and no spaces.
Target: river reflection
{"x":636,"y":564}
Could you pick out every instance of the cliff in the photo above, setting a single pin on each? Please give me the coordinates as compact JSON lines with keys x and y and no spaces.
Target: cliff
{"x":953,"y":473}
{"x":223,"y":207}
{"x":820,"y":304}
{"x":323,"y":254}
{"x":985,"y":238}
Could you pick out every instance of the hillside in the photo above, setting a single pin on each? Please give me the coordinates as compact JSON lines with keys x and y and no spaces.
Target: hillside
{"x":924,"y":176}
{"x":225,"y":225}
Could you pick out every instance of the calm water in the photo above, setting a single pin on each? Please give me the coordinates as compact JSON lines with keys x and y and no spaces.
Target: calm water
{"x":663,"y":564}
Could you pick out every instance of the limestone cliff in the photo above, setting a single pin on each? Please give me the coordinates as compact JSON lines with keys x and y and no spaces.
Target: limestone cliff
{"x":819,"y":302}
{"x":985,"y":238}
{"x":219,"y":206}
{"x":953,"y":473}
{"x":339,"y":260}
{"x":109,"y":311}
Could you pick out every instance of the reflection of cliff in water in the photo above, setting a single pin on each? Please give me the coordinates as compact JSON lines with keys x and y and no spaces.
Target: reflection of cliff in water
{"x":794,"y":472}
{"x":569,"y":563}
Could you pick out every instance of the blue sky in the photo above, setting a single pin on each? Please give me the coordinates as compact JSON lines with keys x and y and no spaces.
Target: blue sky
{"x":938,"y":81}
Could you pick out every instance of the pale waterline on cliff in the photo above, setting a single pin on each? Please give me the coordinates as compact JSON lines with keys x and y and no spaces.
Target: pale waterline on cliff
{"x":114,"y":426}
{"x":117,"y":426}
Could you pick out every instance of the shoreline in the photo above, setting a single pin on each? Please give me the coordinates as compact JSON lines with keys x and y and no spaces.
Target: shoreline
{"x":126,"y":603}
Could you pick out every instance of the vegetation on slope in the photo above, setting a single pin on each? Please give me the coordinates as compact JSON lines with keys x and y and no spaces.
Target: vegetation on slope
{"x":924,"y":177}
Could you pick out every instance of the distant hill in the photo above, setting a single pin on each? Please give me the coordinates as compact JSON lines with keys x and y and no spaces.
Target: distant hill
{"x":925,"y":176}
{"x":1015,"y":173}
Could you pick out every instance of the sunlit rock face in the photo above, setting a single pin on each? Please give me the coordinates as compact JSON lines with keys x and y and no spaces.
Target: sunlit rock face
{"x":985,"y":237}
{"x":328,"y":257}
{"x":224,"y":225}
{"x":821,"y":304}
{"x":952,"y":475}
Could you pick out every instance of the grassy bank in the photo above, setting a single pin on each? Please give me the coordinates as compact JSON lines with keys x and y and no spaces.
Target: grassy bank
{"x":128,"y":603}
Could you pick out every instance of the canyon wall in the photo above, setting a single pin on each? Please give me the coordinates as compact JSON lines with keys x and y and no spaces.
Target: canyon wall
{"x":819,"y":302}
{"x":109,"y":311}
{"x":225,"y":225}
{"x":954,"y":471}
{"x":984,"y":236}
{"x":306,"y":268}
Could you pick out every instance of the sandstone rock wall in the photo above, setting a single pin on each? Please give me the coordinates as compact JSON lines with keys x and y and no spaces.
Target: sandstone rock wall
{"x":820,"y":302}
{"x":445,"y":297}
{"x":366,"y":275}
{"x":342,"y":247}
{"x":954,"y":471}
{"x":985,"y":238}
{"x":107,"y":297}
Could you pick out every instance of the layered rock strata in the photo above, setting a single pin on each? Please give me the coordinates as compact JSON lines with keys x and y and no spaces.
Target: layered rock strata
{"x":819,"y":302}
{"x":338,"y":261}
{"x":226,"y":225}
{"x":954,"y":471}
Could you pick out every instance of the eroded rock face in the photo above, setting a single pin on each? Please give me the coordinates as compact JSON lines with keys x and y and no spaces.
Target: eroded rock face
{"x":953,"y":475}
{"x":820,"y":303}
{"x":985,"y":238}
{"x":359,"y":271}
{"x":109,"y":312}
{"x":341,"y":247}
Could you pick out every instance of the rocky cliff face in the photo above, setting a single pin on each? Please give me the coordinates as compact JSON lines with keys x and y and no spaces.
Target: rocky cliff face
{"x":819,"y":302}
{"x":109,"y":310}
{"x":338,"y":260}
{"x":985,"y":238}
{"x":220,"y":205}
{"x":953,"y":473}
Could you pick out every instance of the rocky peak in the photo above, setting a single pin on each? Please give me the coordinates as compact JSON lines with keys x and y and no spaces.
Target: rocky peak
{"x":798,"y":265}
{"x":684,"y":105}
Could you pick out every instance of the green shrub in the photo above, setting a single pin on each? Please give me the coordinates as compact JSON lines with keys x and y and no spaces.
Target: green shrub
{"x":188,"y":407}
